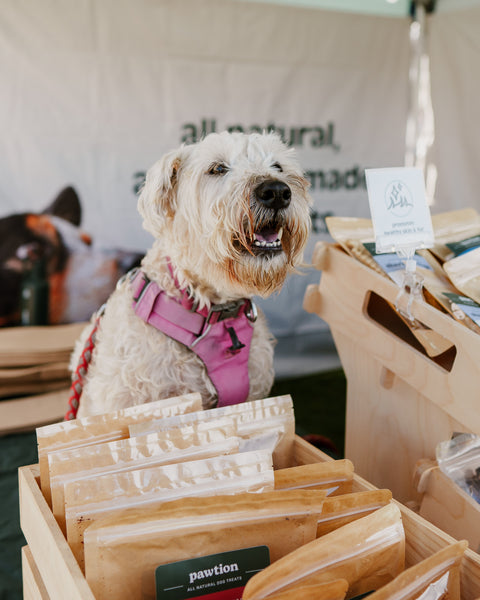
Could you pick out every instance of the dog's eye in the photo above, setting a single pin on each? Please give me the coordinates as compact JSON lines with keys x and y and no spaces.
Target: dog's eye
{"x":277,"y":166}
{"x":218,"y":169}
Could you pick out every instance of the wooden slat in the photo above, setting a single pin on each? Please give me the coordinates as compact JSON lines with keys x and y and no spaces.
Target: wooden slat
{"x":446,"y":505}
{"x":58,"y":568}
{"x":33,"y":586}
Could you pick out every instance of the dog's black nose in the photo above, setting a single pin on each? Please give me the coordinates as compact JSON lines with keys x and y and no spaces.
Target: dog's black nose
{"x":273,"y":194}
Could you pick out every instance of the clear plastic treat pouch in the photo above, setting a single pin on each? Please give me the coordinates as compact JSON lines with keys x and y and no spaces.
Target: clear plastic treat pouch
{"x":104,"y":428}
{"x":458,"y":247}
{"x":340,"y":510}
{"x":459,"y":459}
{"x":191,"y":528}
{"x":330,"y":590}
{"x":88,"y":500}
{"x":368,"y":553}
{"x":434,"y":578}
{"x":335,"y":477}
{"x":268,"y":424}
{"x":208,"y":439}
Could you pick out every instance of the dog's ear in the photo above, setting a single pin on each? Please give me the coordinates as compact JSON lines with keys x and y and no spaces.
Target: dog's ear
{"x":67,"y":206}
{"x":157,"y":201}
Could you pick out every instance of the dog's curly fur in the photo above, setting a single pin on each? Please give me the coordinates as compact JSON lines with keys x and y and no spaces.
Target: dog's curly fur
{"x":203,"y":207}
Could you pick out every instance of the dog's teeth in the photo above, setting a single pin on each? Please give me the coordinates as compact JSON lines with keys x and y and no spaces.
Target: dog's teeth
{"x":279,"y":234}
{"x":264,"y":244}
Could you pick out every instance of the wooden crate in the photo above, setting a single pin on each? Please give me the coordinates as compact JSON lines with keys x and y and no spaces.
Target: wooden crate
{"x":446,"y":505}
{"x":400,"y":402}
{"x":51,"y":571}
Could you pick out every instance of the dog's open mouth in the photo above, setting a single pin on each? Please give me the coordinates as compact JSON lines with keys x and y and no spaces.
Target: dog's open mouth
{"x":267,"y":239}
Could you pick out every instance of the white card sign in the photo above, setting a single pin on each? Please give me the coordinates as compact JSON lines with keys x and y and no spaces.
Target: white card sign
{"x":398,"y":205}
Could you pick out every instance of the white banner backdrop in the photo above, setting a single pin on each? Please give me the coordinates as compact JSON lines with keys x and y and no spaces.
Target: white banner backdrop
{"x":454,"y":51}
{"x":94,"y":91}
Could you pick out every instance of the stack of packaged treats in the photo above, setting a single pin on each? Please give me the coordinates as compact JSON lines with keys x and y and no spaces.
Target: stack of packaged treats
{"x":450,"y":270}
{"x":165,"y":500}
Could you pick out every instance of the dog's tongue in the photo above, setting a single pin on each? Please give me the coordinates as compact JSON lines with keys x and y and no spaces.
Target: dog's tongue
{"x":266,"y":235}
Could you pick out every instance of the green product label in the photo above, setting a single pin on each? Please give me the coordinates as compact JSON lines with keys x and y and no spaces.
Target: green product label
{"x":463,"y":304}
{"x":464,"y":245}
{"x":216,"y":577}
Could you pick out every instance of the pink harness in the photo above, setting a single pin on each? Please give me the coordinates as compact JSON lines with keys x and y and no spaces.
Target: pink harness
{"x":220,"y":336}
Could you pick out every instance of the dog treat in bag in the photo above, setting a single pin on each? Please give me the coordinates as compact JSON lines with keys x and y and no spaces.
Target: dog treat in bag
{"x":332,"y":590}
{"x":261,"y":424}
{"x":464,"y":272}
{"x":451,"y":229}
{"x":104,"y":428}
{"x":368,"y":553}
{"x":434,"y":578}
{"x":90,"y":499}
{"x":457,"y":245}
{"x":356,"y":237}
{"x":340,"y":510}
{"x":191,"y":528}
{"x":335,"y":477}
{"x":211,"y":438}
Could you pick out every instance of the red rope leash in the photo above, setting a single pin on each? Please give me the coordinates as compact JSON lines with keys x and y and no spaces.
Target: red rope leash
{"x":80,"y":372}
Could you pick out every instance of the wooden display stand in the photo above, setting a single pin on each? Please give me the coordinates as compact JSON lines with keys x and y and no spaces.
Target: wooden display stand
{"x":400,"y":402}
{"x":50,"y":570}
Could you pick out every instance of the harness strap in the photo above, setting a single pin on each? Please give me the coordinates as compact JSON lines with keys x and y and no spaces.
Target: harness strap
{"x":220,"y":336}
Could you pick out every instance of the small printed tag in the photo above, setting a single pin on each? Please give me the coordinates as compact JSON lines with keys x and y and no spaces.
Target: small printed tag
{"x":215,"y":577}
{"x":398,"y":205}
{"x":392,"y":264}
{"x":463,"y":246}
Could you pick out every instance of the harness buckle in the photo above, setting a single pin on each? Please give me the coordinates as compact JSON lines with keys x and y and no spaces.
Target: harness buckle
{"x":147,"y":281}
{"x":229,"y":310}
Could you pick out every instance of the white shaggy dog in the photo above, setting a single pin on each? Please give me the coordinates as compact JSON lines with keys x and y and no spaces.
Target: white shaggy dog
{"x":230,"y":218}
